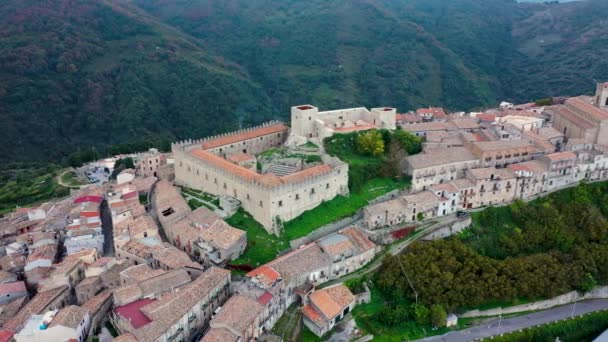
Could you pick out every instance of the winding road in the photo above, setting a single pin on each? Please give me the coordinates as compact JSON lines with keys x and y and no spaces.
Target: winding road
{"x":498,"y":326}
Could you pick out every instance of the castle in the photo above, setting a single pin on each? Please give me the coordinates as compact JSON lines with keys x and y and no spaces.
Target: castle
{"x":225,"y":165}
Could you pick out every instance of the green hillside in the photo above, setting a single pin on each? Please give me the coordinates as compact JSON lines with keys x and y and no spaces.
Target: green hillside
{"x":82,"y":74}
{"x":90,"y":73}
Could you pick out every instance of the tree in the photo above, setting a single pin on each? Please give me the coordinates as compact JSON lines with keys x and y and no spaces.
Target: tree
{"x":370,"y":143}
{"x":438,"y":316}
{"x":588,"y":283}
{"x":420,"y":216}
{"x":421,"y":314}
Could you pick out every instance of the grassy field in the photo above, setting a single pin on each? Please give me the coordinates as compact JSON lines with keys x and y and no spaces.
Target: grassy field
{"x":261,"y":246}
{"x":339,"y":207}
{"x":70,"y":178}
{"x":28,"y":185}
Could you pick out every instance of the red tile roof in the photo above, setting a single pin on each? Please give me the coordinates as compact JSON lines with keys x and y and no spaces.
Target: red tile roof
{"x":266,"y":179}
{"x":132,"y":312}
{"x":561,"y":156}
{"x":17,"y":286}
{"x":312,"y":314}
{"x":265,"y":298}
{"x":587,"y":107}
{"x":246,"y":135}
{"x":437,"y":112}
{"x":6,"y":335}
{"x":83,"y":199}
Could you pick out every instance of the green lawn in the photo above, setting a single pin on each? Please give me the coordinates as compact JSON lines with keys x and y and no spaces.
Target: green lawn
{"x":287,"y":325}
{"x":261,"y":246}
{"x":340,"y":207}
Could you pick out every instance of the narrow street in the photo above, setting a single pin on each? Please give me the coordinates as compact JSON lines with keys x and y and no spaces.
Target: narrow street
{"x":498,"y":326}
{"x":106,"y":226}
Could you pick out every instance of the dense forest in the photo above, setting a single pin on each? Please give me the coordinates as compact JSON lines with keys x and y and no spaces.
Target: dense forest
{"x":525,"y":251}
{"x":85,"y":74}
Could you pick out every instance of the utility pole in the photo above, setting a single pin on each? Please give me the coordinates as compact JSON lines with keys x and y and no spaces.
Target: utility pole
{"x":408,"y":279}
{"x":499,"y":323}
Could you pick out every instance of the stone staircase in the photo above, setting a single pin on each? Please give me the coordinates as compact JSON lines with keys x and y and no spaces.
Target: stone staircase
{"x":281,"y":170}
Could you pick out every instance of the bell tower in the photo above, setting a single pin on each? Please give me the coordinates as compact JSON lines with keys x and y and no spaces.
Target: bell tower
{"x":601,"y":95}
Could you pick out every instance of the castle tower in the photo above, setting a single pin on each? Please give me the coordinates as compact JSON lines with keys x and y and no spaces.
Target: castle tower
{"x":601,"y":95}
{"x":386,"y":117}
{"x":303,"y":120}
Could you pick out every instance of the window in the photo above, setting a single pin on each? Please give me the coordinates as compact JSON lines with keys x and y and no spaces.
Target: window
{"x":280,"y":203}
{"x":327,"y":186}
{"x":248,"y":197}
{"x":261,"y":204}
{"x":312,"y":191}
{"x":297,"y":197}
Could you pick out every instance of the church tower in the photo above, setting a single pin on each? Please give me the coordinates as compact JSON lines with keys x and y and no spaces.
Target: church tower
{"x":601,"y":95}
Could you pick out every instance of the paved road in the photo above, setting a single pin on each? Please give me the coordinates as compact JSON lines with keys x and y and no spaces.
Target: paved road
{"x":497,"y":326}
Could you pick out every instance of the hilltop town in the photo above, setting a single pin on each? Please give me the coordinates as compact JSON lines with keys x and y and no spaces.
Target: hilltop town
{"x":154,"y":252}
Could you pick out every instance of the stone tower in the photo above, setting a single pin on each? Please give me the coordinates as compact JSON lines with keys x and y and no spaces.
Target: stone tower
{"x":601,"y":95}
{"x":386,"y":117}
{"x":303,"y":120}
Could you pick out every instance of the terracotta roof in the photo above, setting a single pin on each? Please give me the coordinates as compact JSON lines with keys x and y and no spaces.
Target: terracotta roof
{"x":219,"y":335}
{"x":69,"y":317}
{"x":313,"y":315}
{"x":102,"y":261}
{"x":140,"y":272}
{"x":7,"y":277}
{"x":587,"y":107}
{"x":437,"y":112}
{"x":240,"y":157}
{"x":425,"y":126}
{"x":174,"y":258}
{"x":487,"y":172}
{"x":6,"y":335}
{"x":17,"y":286}
{"x":128,"y":337}
{"x":572,"y":117}
{"x":305,"y":259}
{"x":132,"y":312}
{"x":221,"y":235}
{"x":84,"y":199}
{"x":250,"y":175}
{"x":246,"y":135}
{"x":465,"y":123}
{"x":238,"y":313}
{"x":440,"y":157}
{"x":448,"y":187}
{"x":162,"y":283}
{"x":265,"y":274}
{"x":165,"y":312}
{"x":486,"y":117}
{"x":265,"y":298}
{"x":36,"y":306}
{"x":408,"y":118}
{"x":331,"y":301}
{"x":554,"y":157}
{"x":501,"y":145}
{"x":44,"y":252}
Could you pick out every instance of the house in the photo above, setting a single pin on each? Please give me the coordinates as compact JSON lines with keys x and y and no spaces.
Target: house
{"x":501,"y":153}
{"x":98,"y":308}
{"x":151,"y":288}
{"x":326,"y":307}
{"x":179,"y":315}
{"x":42,"y":302}
{"x":148,"y":162}
{"x":12,"y":291}
{"x":492,"y":186}
{"x":241,"y":317}
{"x":70,"y":323}
{"x":438,"y":166}
{"x":405,"y":209}
{"x":349,"y":249}
{"x":561,"y":168}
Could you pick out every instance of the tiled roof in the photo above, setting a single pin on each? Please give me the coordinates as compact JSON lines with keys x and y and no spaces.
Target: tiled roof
{"x":587,"y":107}
{"x":331,"y":301}
{"x":102,"y":261}
{"x":161,"y":283}
{"x":174,"y":258}
{"x":245,"y":135}
{"x":17,"y":286}
{"x":238,"y":313}
{"x":265,"y":298}
{"x":440,"y":157}
{"x":437,"y":112}
{"x":221,"y":235}
{"x":447,"y":187}
{"x":240,"y":157}
{"x":44,"y":252}
{"x":265,"y":274}
{"x":359,"y":239}
{"x":7,"y":277}
{"x":501,"y":145}
{"x":132,"y":312}
{"x":312,"y":314}
{"x":140,"y":272}
{"x":463,"y":183}
{"x":36,"y":306}
{"x":250,"y":175}
{"x":425,"y":126}
{"x":465,"y":123}
{"x":6,"y":335}
{"x":220,"y":335}
{"x":128,"y":337}
{"x":572,"y":117}
{"x":69,"y":317}
{"x":171,"y":307}
{"x":487,"y":172}
{"x":554,"y":157}
{"x":84,"y":199}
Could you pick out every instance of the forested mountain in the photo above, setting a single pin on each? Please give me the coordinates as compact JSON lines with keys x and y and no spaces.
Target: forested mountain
{"x":82,"y":74}
{"x":89,"y":73}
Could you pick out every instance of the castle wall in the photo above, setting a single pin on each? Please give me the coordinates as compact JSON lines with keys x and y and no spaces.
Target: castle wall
{"x":286,"y":201}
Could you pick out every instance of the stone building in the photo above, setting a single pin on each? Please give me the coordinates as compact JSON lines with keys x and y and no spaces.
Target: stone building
{"x":561,"y":169}
{"x":326,"y":307}
{"x":308,"y":123}
{"x":583,"y":118}
{"x":492,"y":186}
{"x":438,"y":166}
{"x":179,"y":315}
{"x":241,"y":319}
{"x":501,"y":153}
{"x":405,"y":209}
{"x":270,"y":199}
{"x":149,"y":162}
{"x":531,"y":178}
